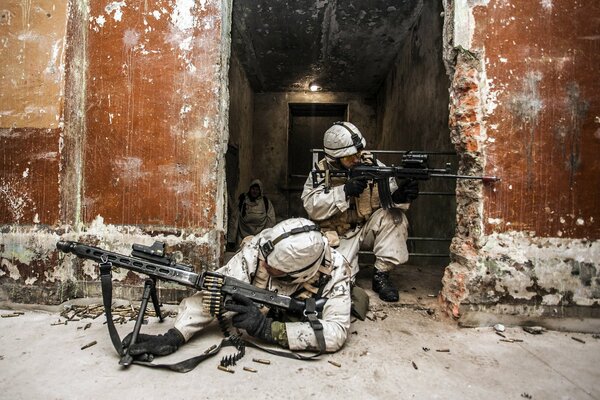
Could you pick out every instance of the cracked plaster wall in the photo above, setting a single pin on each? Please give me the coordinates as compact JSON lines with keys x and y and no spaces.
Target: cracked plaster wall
{"x":524,"y":107}
{"x":113,"y":129}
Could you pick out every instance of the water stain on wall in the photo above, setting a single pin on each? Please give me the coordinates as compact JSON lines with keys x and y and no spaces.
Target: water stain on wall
{"x":526,"y":106}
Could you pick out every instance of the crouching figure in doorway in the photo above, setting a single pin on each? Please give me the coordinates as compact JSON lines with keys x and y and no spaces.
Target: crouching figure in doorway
{"x":350,"y":210}
{"x":254,"y":212}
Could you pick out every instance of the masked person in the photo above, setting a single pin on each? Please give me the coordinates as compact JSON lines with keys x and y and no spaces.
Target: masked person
{"x":292,"y":258}
{"x":350,"y":209}
{"x":254,"y":213}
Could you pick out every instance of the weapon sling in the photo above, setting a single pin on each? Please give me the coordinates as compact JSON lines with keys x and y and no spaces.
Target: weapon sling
{"x":183,"y":366}
{"x":191,"y":363}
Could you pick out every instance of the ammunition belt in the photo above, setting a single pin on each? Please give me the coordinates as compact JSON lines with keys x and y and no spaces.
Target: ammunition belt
{"x":212,"y":302}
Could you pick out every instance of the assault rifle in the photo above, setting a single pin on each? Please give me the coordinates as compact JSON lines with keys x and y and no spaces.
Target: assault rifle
{"x":154,"y":262}
{"x":412,"y":166}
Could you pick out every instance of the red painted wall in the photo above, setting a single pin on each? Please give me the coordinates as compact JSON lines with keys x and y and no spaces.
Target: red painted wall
{"x":31,"y":104}
{"x":542,"y":61}
{"x":29,"y":159}
{"x":151,"y":114}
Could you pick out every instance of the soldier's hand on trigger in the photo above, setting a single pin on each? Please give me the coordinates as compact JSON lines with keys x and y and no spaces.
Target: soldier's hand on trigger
{"x":354,"y":187}
{"x":249,"y":317}
{"x":407,"y":191}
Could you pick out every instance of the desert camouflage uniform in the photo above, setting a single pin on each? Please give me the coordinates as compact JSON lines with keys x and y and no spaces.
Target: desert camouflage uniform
{"x":335,"y":317}
{"x":359,"y":222}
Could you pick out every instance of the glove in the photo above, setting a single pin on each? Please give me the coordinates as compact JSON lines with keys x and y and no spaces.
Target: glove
{"x":407,"y":191}
{"x":249,"y":317}
{"x":159,"y":345}
{"x":354,"y":187}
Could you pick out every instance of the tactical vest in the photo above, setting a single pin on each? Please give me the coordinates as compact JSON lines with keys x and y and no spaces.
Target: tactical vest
{"x":360,"y":208}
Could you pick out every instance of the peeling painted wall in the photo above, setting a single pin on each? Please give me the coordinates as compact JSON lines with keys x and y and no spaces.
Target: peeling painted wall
{"x":541,"y":61}
{"x":153,"y":92}
{"x":32,"y":46}
{"x":524,"y":106}
{"x":113,"y":127}
{"x":32,"y":43}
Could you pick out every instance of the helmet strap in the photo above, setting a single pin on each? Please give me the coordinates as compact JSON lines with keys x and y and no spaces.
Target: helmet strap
{"x":268,"y":247}
{"x":356,"y":140}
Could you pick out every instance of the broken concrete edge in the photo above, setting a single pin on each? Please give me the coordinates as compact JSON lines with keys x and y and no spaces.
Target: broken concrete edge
{"x":564,"y":319}
{"x":466,"y":126}
{"x":32,"y":270}
{"x":79,"y":302}
{"x":60,"y":292}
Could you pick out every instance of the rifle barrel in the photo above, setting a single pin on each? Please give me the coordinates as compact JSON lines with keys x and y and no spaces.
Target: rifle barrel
{"x":485,"y":179}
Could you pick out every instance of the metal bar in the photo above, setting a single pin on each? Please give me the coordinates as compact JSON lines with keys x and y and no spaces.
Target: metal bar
{"x":437,"y":153}
{"x":299,"y":189}
{"x":412,"y":254}
{"x":432,"y":239}
{"x":437,"y":194}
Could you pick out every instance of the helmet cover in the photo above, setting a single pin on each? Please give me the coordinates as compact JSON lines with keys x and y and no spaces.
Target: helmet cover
{"x":295,"y":246}
{"x":343,"y":139}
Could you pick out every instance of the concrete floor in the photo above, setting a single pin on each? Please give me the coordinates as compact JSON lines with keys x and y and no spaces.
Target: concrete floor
{"x":394,"y":354}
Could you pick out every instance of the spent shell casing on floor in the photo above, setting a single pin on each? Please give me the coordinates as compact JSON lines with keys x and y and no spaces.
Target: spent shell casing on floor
{"x":89,"y":345}
{"x":222,"y":368}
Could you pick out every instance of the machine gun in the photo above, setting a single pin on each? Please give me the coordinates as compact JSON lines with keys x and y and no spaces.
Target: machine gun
{"x":154,"y":262}
{"x":412,"y":166}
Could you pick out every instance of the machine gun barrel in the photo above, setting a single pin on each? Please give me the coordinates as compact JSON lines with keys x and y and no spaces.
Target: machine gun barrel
{"x":180,"y":273}
{"x":219,"y":287}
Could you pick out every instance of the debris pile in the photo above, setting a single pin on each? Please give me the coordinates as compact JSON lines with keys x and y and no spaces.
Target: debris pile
{"x":121,"y":314}
{"x":377,"y":314}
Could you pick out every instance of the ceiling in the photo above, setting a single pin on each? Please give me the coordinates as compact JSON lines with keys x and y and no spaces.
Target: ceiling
{"x":343,"y":45}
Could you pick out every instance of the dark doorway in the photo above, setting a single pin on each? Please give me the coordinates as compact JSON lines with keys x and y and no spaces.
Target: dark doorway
{"x":232,"y":176}
{"x":307,"y":124}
